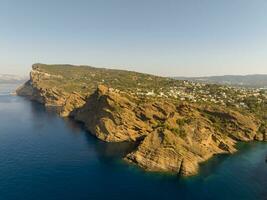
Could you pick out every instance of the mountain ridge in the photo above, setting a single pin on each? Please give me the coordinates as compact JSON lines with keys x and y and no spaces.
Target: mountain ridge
{"x":250,"y":80}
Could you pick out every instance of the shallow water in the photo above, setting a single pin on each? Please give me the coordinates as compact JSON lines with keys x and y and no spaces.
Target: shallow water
{"x":46,"y":157}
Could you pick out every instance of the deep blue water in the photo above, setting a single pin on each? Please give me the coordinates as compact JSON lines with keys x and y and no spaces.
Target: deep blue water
{"x":44,"y":157}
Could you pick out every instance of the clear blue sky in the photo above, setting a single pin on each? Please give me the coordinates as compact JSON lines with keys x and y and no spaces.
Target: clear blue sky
{"x":166,"y":37}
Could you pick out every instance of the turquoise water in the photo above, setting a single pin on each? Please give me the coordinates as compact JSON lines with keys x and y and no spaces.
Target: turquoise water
{"x":46,"y":157}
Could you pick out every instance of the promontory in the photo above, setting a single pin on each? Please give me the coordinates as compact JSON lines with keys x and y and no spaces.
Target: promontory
{"x":176,"y":124}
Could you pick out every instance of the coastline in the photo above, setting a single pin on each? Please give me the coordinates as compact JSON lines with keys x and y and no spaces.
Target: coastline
{"x":115,"y":116}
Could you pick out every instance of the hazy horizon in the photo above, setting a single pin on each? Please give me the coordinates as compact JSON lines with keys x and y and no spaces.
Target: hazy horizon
{"x":166,"y":38}
{"x":212,"y":75}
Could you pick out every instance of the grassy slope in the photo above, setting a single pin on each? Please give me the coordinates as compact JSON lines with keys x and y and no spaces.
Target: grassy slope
{"x":84,"y":78}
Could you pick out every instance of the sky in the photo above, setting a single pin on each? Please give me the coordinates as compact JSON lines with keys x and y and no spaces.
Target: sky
{"x":162,"y":37}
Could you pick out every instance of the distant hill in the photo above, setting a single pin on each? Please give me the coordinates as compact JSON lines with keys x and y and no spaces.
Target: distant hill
{"x":256,"y":80}
{"x":8,"y":78}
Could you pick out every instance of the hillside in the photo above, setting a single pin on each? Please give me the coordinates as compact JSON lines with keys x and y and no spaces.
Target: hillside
{"x":176,"y":124}
{"x":256,"y":80}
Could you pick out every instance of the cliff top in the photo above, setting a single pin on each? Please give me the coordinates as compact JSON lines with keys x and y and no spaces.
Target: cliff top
{"x":82,"y":78}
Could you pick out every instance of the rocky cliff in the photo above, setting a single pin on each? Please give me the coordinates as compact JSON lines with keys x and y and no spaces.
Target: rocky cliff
{"x":172,"y":136}
{"x":54,"y":98}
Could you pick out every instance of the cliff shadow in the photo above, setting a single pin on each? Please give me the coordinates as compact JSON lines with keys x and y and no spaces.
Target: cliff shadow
{"x":105,"y":150}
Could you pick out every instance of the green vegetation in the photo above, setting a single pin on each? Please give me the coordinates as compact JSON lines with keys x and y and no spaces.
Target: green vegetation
{"x":263,"y":127}
{"x":84,"y":79}
{"x":179,"y":130}
{"x":219,"y":122}
{"x":183,"y":121}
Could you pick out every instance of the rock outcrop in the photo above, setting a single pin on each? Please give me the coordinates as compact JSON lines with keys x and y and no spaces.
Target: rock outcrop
{"x":111,"y":117}
{"x":53,"y":98}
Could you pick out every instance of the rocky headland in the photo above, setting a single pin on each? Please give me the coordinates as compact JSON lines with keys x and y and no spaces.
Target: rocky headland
{"x":173,"y":134}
